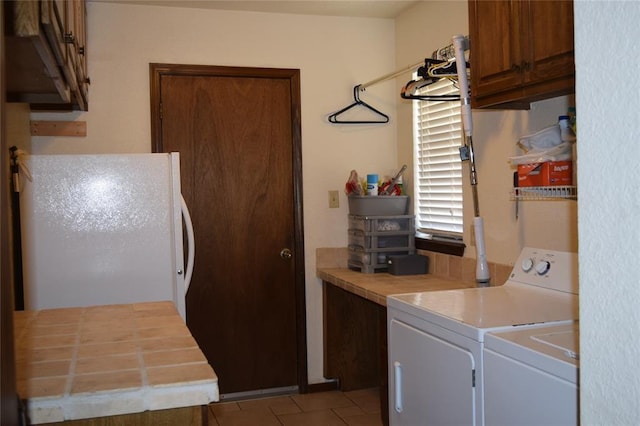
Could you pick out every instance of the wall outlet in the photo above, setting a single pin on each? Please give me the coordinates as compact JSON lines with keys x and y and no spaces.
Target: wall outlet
{"x":334,"y":199}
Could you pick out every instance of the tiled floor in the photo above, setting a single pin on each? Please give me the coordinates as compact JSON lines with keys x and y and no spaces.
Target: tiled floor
{"x":355,"y":408}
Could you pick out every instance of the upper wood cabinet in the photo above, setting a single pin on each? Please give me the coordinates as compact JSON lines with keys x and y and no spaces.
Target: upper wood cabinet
{"x":46,"y":54}
{"x":521,"y":51}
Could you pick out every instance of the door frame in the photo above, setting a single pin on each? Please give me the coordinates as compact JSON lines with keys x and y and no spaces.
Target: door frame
{"x":156,"y":72}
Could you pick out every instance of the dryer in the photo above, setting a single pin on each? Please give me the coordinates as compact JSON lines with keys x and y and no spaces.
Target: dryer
{"x":436,"y":339}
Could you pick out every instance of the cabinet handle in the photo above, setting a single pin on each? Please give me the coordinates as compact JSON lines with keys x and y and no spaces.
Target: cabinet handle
{"x":398,"y":386}
{"x":516,"y":68}
{"x":69,"y":38}
{"x":526,"y":66}
{"x":81,"y":50}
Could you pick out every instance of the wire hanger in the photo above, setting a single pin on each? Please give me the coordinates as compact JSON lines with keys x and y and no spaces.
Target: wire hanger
{"x":433,"y":70}
{"x":408,"y":90}
{"x":333,"y":118}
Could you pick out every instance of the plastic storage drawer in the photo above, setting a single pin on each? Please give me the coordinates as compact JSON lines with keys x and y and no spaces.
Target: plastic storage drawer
{"x":381,"y":223}
{"x":370,"y":261}
{"x":380,"y":240}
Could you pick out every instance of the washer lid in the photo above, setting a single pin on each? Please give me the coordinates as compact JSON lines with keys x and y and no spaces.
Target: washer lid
{"x":473,"y":311}
{"x":554,"y":349}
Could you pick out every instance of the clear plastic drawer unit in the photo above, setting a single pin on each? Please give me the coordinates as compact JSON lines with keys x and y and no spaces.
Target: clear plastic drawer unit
{"x":373,"y":238}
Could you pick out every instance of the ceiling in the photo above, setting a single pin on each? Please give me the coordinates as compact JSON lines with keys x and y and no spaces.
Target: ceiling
{"x":355,"y":8}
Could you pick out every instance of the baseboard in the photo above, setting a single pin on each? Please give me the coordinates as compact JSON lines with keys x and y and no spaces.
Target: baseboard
{"x":322,"y":387}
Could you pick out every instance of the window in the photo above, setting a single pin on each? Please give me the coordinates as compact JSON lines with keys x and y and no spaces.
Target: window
{"x":438,"y":169}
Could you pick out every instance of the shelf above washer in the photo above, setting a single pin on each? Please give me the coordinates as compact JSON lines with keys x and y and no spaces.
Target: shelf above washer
{"x":545,"y":193}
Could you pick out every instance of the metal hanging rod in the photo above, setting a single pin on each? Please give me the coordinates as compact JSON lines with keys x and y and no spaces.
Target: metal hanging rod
{"x":445,"y":53}
{"x":389,"y":76}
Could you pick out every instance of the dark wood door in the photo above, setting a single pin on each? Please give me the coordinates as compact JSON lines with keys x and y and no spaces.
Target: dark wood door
{"x":238,"y":134}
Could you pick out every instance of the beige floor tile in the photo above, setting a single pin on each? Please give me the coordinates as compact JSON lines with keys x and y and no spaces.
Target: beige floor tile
{"x":212,"y":418}
{"x":276,"y":405}
{"x":247,"y":418}
{"x":219,"y":408}
{"x":285,"y":408}
{"x":321,"y":401}
{"x":345,"y":412}
{"x":364,"y":420}
{"x":313,"y":418}
{"x":316,"y":409}
{"x":367,"y":399}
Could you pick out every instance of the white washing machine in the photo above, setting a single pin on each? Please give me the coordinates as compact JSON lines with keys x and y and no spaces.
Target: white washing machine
{"x":531,"y":377}
{"x":436,"y":339}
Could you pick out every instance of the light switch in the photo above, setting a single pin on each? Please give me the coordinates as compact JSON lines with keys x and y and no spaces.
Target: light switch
{"x":334,"y":199}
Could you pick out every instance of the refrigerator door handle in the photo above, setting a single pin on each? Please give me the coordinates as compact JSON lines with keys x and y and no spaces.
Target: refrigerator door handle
{"x":191,"y":246}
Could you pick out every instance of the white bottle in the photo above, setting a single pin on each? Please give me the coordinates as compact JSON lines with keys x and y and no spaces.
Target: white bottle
{"x":566,"y":132}
{"x":567,"y":135}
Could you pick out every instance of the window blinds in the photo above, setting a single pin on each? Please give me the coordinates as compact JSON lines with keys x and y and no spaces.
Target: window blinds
{"x":438,"y":175}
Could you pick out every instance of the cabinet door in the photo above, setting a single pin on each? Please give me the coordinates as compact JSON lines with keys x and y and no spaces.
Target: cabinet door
{"x":76,"y":31}
{"x":430,"y":379}
{"x":495,"y":46}
{"x":549,"y":40}
{"x":521,"y":51}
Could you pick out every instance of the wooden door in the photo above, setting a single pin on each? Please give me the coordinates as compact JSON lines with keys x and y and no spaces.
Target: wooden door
{"x":238,"y":134}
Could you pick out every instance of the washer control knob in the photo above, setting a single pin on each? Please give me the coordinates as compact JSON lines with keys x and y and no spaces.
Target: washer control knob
{"x":543,"y":267}
{"x":527,"y":264}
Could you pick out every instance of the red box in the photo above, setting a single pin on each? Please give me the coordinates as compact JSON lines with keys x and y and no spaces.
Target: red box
{"x":550,"y":173}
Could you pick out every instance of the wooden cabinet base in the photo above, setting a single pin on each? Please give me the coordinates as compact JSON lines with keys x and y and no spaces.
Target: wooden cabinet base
{"x":187,"y":416}
{"x":355,"y":343}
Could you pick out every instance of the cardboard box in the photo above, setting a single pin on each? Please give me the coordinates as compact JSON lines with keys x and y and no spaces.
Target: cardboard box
{"x":550,"y":173}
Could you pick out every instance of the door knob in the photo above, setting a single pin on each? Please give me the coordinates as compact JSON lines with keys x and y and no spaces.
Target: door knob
{"x":286,"y":254}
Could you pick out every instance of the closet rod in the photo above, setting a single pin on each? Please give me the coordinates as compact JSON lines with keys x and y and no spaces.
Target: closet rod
{"x":444,"y":53}
{"x":394,"y":74}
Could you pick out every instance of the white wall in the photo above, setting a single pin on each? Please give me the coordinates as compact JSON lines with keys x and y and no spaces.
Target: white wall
{"x":548,"y":224}
{"x":333,"y":54}
{"x":608,"y":132}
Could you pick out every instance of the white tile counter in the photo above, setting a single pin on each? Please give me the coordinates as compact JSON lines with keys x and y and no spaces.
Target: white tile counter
{"x":81,"y":363}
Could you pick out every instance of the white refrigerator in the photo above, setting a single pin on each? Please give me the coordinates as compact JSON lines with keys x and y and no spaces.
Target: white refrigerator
{"x":103,"y":229}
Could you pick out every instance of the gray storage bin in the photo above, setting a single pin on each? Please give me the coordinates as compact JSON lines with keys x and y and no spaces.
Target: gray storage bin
{"x":381,"y":205}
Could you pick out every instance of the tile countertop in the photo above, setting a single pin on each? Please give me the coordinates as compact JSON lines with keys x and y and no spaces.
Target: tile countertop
{"x":376,"y":287}
{"x":79,"y":363}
